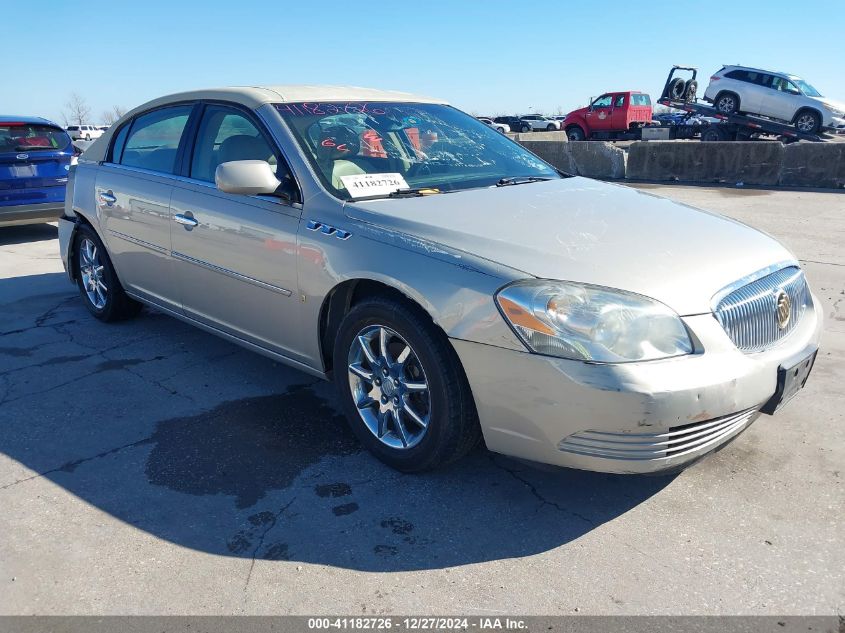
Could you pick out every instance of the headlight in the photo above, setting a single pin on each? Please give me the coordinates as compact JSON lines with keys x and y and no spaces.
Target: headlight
{"x":834,"y":110}
{"x":584,"y":322}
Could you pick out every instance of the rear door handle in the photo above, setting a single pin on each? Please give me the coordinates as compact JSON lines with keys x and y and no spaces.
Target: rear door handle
{"x":107,"y":198}
{"x":185,"y":220}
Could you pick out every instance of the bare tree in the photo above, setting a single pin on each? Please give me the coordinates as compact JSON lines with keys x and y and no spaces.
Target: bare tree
{"x":76,"y":110}
{"x":110,"y":116}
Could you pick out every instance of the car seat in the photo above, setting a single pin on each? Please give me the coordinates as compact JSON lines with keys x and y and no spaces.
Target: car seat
{"x":338,"y":147}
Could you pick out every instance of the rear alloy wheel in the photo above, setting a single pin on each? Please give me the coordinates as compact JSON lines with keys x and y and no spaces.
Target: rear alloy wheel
{"x":727,"y":103}
{"x":96,"y":279}
{"x":525,"y":128}
{"x":402,"y":386}
{"x":808,"y":122}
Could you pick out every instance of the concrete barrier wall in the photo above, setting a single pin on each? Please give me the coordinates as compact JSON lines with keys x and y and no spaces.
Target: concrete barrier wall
{"x":751,"y":162}
{"x":811,"y":165}
{"x":585,"y":158}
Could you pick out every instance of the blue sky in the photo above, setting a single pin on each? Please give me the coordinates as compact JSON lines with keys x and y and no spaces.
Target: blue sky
{"x":485,"y":57}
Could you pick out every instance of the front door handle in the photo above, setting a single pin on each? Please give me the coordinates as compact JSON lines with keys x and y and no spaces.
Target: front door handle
{"x":107,"y":198}
{"x":185,"y":220}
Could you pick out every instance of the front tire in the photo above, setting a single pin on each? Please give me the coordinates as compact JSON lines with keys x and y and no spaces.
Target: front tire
{"x":550,"y":128}
{"x":402,"y":386}
{"x":97,"y":280}
{"x":808,"y":122}
{"x":575,"y":133}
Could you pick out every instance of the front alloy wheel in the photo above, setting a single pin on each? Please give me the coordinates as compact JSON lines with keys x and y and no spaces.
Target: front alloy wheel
{"x":808,"y":122}
{"x":389,"y":387}
{"x":402,"y":385}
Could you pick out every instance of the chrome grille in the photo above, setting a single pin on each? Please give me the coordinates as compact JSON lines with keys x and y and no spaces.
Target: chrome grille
{"x":674,"y":442}
{"x":749,"y":314}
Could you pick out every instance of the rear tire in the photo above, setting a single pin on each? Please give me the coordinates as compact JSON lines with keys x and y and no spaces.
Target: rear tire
{"x":97,"y":280}
{"x":727,"y":103}
{"x":712,"y":134}
{"x":525,"y":128}
{"x":808,"y":122}
{"x":394,"y":369}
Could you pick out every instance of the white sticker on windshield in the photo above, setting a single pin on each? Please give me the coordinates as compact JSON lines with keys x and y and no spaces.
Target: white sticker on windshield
{"x":362,"y":185}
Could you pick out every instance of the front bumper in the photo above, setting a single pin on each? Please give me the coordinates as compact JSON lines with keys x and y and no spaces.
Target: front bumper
{"x":836,"y":124}
{"x":632,"y":417}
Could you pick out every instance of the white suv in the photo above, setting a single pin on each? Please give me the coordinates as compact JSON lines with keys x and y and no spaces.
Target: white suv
{"x":84,"y":132}
{"x":774,"y":95}
{"x":539,"y":122}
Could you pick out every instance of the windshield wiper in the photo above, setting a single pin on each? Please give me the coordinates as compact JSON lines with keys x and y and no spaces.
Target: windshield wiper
{"x":519,"y":180}
{"x":413,"y":192}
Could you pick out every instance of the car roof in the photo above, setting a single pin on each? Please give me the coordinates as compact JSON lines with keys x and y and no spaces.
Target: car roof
{"x":760,"y":70}
{"x":8,"y":118}
{"x":256,"y":96}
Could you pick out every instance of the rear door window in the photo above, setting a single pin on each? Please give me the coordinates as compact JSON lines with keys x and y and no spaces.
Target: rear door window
{"x":619,"y":101}
{"x":153,"y":140}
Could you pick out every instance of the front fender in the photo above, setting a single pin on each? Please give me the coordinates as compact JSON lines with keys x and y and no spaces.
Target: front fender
{"x":456,"y":290}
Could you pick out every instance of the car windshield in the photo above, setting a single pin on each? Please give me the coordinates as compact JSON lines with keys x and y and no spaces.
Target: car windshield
{"x":806,"y":88}
{"x":19,"y":136}
{"x":430,"y":147}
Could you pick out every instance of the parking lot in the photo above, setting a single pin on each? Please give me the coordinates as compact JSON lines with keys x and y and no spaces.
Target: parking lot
{"x":149,"y":467}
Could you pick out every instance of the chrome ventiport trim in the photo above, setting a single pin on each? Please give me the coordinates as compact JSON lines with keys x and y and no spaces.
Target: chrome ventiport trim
{"x":325,"y":229}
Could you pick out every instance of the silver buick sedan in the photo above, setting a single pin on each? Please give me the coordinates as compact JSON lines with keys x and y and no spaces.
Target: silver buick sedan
{"x":453,"y":285}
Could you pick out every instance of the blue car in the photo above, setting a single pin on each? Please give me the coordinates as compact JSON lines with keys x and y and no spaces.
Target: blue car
{"x":35,"y":158}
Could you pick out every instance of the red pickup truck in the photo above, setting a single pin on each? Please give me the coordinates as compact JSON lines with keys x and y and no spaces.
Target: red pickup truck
{"x":614,"y":115}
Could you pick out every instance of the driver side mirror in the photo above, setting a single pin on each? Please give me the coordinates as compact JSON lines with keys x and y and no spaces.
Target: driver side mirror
{"x":246,"y":177}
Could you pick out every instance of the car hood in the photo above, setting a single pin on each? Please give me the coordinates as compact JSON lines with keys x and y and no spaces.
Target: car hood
{"x":587,"y":231}
{"x":837,"y":105}
{"x":580,"y":112}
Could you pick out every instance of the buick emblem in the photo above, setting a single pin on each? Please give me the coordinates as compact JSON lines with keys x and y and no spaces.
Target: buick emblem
{"x":784,"y":309}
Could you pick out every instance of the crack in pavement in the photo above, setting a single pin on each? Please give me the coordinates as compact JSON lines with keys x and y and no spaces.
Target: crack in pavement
{"x":40,"y":321}
{"x":536,"y":493}
{"x":814,"y":261}
{"x":270,"y":526}
{"x":69,"y":467}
